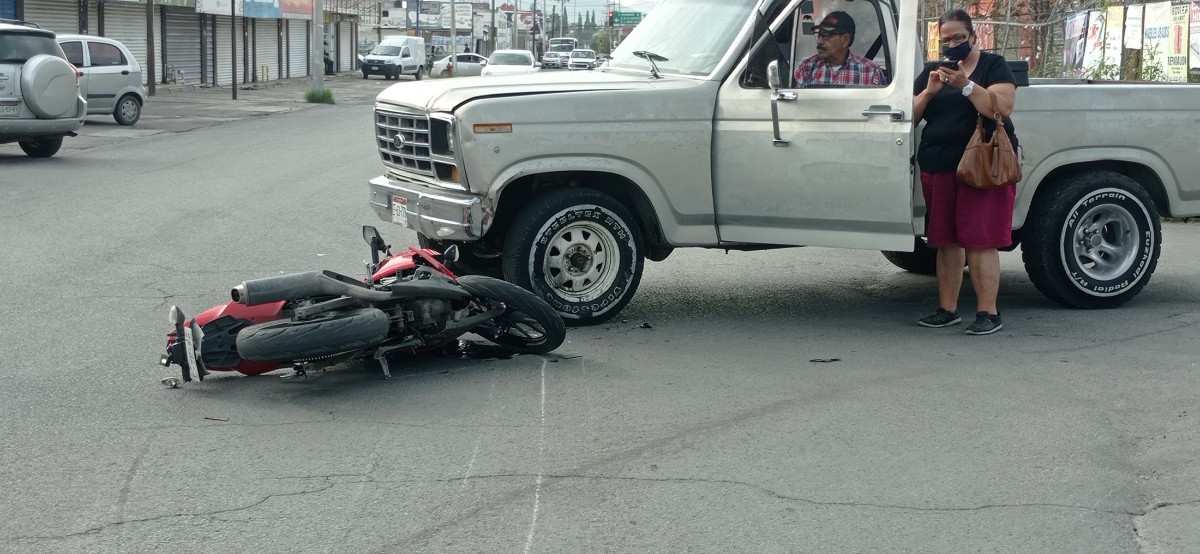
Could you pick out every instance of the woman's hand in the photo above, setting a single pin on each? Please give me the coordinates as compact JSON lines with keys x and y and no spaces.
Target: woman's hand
{"x":935,"y":82}
{"x":955,"y":77}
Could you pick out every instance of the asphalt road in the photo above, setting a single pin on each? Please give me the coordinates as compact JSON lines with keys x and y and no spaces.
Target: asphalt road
{"x":773,"y":401}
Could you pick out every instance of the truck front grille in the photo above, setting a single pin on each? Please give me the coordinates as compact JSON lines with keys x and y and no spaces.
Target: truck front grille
{"x":409,"y":152}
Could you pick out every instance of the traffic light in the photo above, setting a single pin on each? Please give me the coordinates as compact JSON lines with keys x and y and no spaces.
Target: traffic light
{"x":610,"y":18}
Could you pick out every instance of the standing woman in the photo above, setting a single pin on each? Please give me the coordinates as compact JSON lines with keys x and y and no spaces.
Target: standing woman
{"x":966,"y":224}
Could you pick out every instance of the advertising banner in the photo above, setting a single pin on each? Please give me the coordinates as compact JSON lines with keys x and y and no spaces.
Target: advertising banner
{"x":1133,"y":27}
{"x":218,"y":7}
{"x":1114,"y":23}
{"x":263,"y":9}
{"x":1194,"y":44}
{"x":1093,"y":46}
{"x":296,"y":9}
{"x":933,"y":50}
{"x":1177,"y":37}
{"x":1074,"y":44}
{"x":462,"y":15}
{"x":1157,"y":27}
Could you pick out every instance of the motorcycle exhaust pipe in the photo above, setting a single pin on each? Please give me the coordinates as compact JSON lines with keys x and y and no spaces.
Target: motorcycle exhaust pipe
{"x":302,"y":285}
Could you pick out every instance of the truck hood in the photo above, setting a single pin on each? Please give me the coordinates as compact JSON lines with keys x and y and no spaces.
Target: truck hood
{"x":446,"y":94}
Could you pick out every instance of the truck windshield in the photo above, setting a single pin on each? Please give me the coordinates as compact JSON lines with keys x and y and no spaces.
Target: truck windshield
{"x":693,"y":35}
{"x":384,"y":50}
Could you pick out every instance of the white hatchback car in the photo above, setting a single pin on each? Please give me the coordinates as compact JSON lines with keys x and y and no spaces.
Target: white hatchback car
{"x":511,"y":62}
{"x":465,"y":65}
{"x":110,"y":77}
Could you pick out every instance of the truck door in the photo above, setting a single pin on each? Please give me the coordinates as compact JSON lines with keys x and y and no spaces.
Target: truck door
{"x":822,"y":165}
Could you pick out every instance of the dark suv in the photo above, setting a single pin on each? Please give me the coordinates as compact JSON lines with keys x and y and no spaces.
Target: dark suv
{"x":39,"y":90}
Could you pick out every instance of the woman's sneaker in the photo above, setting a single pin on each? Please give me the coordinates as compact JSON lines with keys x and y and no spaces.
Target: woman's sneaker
{"x":940,"y":318}
{"x":985,"y":324}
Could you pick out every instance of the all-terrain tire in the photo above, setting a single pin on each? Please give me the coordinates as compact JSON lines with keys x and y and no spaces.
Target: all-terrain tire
{"x":579,"y":250}
{"x":922,"y":260}
{"x":41,"y":148}
{"x":1092,"y":241}
{"x":529,"y":324}
{"x":331,"y":333}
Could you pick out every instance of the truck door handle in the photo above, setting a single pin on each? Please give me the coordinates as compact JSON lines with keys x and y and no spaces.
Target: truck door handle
{"x":896,"y":115}
{"x":125,"y":72}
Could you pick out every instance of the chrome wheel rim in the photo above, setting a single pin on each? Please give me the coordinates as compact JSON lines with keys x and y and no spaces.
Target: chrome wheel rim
{"x":581,"y":261}
{"x":1104,"y":242}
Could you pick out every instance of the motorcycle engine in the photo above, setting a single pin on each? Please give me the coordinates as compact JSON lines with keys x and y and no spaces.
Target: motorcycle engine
{"x":428,"y":315}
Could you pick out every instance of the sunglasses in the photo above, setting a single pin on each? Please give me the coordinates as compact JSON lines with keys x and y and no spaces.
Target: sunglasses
{"x":954,"y":40}
{"x":826,"y":36}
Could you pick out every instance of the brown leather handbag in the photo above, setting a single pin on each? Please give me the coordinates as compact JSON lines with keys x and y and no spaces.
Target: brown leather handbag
{"x":989,"y":163}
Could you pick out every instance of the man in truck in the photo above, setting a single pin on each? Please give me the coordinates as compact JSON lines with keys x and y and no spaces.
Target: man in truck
{"x":834,"y":64}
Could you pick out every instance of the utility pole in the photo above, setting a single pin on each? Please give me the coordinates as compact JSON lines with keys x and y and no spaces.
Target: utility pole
{"x":233,"y":46}
{"x":150,"y":64}
{"x":318,"y":41}
{"x":492,"y":31}
{"x":453,"y":37}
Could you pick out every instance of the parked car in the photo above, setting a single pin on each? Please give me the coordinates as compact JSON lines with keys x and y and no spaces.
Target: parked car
{"x":582,"y":58}
{"x":39,"y":90}
{"x":552,"y":60}
{"x":465,"y":64}
{"x":510,"y":62}
{"x":110,"y":77}
{"x":396,"y":56}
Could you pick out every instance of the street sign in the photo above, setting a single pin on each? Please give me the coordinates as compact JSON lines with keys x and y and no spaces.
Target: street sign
{"x":627,"y":18}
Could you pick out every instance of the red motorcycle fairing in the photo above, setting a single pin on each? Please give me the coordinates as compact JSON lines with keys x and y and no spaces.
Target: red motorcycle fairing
{"x":398,"y":264}
{"x":235,"y":317}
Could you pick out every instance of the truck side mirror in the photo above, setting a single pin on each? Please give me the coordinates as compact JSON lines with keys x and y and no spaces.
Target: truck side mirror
{"x":773,"y":79}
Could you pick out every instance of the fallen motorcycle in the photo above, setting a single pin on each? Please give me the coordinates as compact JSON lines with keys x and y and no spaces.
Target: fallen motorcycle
{"x":411,"y":302}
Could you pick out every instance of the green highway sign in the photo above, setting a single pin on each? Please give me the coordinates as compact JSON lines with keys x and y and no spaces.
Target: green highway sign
{"x":627,"y":18}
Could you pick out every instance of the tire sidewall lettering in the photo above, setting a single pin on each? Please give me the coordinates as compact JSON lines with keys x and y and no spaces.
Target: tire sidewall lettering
{"x":613,"y":224}
{"x":1145,"y":244}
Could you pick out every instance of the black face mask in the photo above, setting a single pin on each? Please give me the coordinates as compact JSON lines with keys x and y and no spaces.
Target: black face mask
{"x":959,"y":52}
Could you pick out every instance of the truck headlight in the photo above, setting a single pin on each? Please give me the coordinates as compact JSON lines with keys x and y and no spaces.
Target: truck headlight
{"x":441,"y":135}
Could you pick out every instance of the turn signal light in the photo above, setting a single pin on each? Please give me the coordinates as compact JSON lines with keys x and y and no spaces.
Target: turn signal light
{"x":492,"y":128}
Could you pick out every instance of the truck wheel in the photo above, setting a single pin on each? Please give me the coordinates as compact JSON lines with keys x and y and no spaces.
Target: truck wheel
{"x":1093,"y":241}
{"x":922,"y":259}
{"x":41,"y":148}
{"x":332,"y":333}
{"x":420,"y":72}
{"x":579,"y":250}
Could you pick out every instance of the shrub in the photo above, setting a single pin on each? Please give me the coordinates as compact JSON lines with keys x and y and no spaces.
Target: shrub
{"x":323,"y":96}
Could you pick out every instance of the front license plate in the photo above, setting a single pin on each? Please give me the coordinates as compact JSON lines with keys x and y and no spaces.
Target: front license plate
{"x":9,"y":110}
{"x":400,"y":210}
{"x":374,"y":68}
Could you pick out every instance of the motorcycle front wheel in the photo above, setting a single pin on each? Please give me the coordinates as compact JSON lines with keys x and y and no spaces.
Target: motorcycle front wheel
{"x":528,"y":324}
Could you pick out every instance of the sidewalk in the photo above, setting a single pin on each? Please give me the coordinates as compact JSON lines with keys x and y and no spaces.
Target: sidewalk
{"x":182,"y":108}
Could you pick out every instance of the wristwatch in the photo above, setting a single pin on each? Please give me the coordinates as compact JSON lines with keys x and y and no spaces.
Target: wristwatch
{"x":967,"y":90}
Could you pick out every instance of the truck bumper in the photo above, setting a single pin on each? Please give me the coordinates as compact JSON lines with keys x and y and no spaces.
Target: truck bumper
{"x":436,"y":213}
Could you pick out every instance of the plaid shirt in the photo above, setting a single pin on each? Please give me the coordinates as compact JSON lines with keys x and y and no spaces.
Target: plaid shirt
{"x":856,"y":70}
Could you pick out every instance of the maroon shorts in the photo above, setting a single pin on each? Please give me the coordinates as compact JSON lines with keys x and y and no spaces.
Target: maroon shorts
{"x":964,"y":215}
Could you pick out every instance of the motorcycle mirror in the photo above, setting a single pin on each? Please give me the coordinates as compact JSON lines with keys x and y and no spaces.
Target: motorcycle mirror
{"x":371,"y":235}
{"x":451,"y":253}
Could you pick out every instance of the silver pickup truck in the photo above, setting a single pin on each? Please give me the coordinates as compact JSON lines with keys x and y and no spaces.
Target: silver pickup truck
{"x":694,"y":135}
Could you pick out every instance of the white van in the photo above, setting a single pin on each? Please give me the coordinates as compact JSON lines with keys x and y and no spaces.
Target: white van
{"x":396,"y":56}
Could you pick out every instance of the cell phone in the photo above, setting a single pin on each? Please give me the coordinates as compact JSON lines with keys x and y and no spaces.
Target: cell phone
{"x":948,"y":64}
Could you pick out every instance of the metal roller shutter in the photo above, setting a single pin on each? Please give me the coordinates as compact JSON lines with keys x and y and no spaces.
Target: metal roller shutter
{"x":128,"y":25}
{"x":224,"y":28}
{"x":60,"y":16}
{"x":298,"y":50}
{"x":345,"y":46}
{"x":266,"y":49}
{"x":183,"y":44}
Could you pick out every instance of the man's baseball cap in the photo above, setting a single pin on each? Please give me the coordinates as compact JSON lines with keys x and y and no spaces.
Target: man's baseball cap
{"x":836,"y":22}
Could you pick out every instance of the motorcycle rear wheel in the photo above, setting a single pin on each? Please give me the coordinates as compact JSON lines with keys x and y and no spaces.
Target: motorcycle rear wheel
{"x":528,"y":324}
{"x":333,"y":333}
